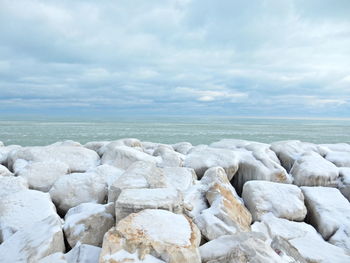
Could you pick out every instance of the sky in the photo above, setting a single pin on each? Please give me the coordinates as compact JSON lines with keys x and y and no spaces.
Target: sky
{"x":175,"y":58}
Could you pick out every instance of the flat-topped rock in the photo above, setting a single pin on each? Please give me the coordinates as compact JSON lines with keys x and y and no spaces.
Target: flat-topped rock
{"x":159,"y":233}
{"x":283,"y":200}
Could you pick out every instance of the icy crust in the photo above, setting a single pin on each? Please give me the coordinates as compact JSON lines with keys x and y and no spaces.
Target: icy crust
{"x":11,"y":184}
{"x":125,"y":256}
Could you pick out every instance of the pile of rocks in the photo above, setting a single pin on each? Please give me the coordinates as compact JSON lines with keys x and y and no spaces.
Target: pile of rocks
{"x":133,"y":201}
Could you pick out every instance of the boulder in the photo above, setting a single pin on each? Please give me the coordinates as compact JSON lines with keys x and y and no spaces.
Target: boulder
{"x":108,"y":173}
{"x":5,"y":151}
{"x":311,"y":169}
{"x":227,"y":213}
{"x":201,"y":158}
{"x":329,"y":213}
{"x":11,"y":184}
{"x":41,"y":175}
{"x":283,"y":200}
{"x":344,"y":182}
{"x":182,"y":147}
{"x":152,"y":232}
{"x":97,"y":146}
{"x":33,"y":242}
{"x":4,"y":171}
{"x":180,"y":178}
{"x":74,"y":189}
{"x":340,"y":159}
{"x":170,"y":158}
{"x":21,"y":209}
{"x":87,"y":223}
{"x":243,"y":247}
{"x":135,"y":200}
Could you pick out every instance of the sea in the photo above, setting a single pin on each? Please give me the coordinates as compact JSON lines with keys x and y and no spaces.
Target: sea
{"x":196,"y":130}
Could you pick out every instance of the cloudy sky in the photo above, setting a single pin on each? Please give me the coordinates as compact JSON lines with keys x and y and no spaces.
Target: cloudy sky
{"x":182,"y":57}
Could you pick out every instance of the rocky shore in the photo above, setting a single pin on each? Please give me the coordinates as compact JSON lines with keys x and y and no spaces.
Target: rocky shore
{"x":134,"y":201}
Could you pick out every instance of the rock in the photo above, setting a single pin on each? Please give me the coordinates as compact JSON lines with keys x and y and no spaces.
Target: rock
{"x":57,"y":257}
{"x":97,"y":146}
{"x":283,"y":200}
{"x":182,"y":147}
{"x":152,"y":232}
{"x":34,"y":242}
{"x":4,"y":171}
{"x":289,"y":151}
{"x":11,"y":184}
{"x":124,"y":156}
{"x":21,"y":209}
{"x":77,"y":158}
{"x":150,"y":147}
{"x":227,"y":213}
{"x":5,"y":151}
{"x":311,"y":169}
{"x":340,"y":159}
{"x":108,"y":173}
{"x":71,"y":190}
{"x":344,"y":184}
{"x":303,"y":237}
{"x":170,"y":158}
{"x":201,"y":158}
{"x":2,"y":144}
{"x":87,"y":223}
{"x":329,"y":213}
{"x":181,"y":178}
{"x":241,"y":247}
{"x":42,"y":175}
{"x":135,"y":200}
{"x":337,"y":147}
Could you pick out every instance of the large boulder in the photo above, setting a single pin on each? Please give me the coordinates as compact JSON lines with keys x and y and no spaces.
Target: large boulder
{"x":180,"y":178}
{"x":5,"y":152}
{"x":21,"y":209}
{"x":329,"y":213}
{"x":170,"y":158}
{"x":158,"y":233}
{"x":11,"y":184}
{"x":87,"y":223}
{"x":74,"y":189}
{"x":227,"y":213}
{"x":201,"y":158}
{"x":283,"y":200}
{"x":4,"y":171}
{"x":311,"y":169}
{"x":33,"y":242}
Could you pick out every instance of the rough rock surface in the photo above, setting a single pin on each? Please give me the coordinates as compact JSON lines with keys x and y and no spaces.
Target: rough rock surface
{"x":152,"y":232}
{"x":283,"y":200}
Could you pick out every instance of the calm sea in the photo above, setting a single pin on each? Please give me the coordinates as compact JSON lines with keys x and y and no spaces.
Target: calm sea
{"x":172,"y":130}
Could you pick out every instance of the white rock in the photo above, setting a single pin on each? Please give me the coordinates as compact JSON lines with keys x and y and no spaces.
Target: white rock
{"x":33,"y":242}
{"x":337,"y":147}
{"x":4,"y":171}
{"x":87,"y":223}
{"x":283,"y":200}
{"x":182,"y":147}
{"x":5,"y":151}
{"x":21,"y":209}
{"x":311,"y":169}
{"x":201,"y":158}
{"x":11,"y":184}
{"x":97,"y":146}
{"x":181,"y":178}
{"x":74,"y":189}
{"x":344,"y":182}
{"x":123,"y":156}
{"x":42,"y":175}
{"x":340,"y":159}
{"x":2,"y":144}
{"x":124,"y":256}
{"x":329,"y":213}
{"x":108,"y":173}
{"x":170,"y":158}
{"x":57,"y":257}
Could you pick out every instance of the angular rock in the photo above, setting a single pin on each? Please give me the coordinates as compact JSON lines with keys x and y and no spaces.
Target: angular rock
{"x":201,"y":158}
{"x":181,"y":178}
{"x":87,"y":223}
{"x":311,"y":169}
{"x":135,"y":200}
{"x":74,"y":189}
{"x":182,"y":147}
{"x":152,"y":232}
{"x":329,"y":213}
{"x":34,"y":242}
{"x":11,"y":184}
{"x":283,"y":200}
{"x":4,"y":171}
{"x":21,"y":209}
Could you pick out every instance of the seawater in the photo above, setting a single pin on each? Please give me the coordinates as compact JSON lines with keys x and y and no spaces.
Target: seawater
{"x":172,"y":130}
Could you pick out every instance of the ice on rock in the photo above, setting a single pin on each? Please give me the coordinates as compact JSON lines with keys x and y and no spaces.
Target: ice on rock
{"x":11,"y":184}
{"x":122,"y":256}
{"x":340,"y":159}
{"x":181,"y":178}
{"x":108,"y":173}
{"x":151,"y":147}
{"x":329,"y":213}
{"x":311,"y":169}
{"x":74,"y":189}
{"x":170,"y":158}
{"x":4,"y":171}
{"x":182,"y":147}
{"x":160,"y":233}
{"x":21,"y":209}
{"x":97,"y":146}
{"x":201,"y":158}
{"x":344,"y":182}
{"x":33,"y":242}
{"x":87,"y":223}
{"x":5,"y":151}
{"x":283,"y":200}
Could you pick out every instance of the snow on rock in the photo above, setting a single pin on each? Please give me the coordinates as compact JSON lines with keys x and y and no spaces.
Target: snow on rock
{"x":135,"y":200}
{"x":77,"y":158}
{"x":41,"y":175}
{"x":150,"y":147}
{"x":182,"y":147}
{"x":139,"y":175}
{"x":289,"y":151}
{"x":33,"y":242}
{"x":344,"y":182}
{"x":122,"y":256}
{"x":240,"y":247}
{"x":340,"y":159}
{"x":4,"y":171}
{"x":108,"y":173}
{"x":160,"y":233}
{"x":22,"y":208}
{"x":5,"y":151}
{"x":227,"y":213}
{"x":170,"y":158}
{"x":74,"y":189}
{"x":87,"y":223}
{"x":97,"y":146}
{"x":303,"y":237}
{"x":329,"y":213}
{"x":11,"y":184}
{"x":283,"y":200}
{"x":124,"y":156}
{"x":201,"y":158}
{"x":311,"y":169}
{"x":181,"y":178}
